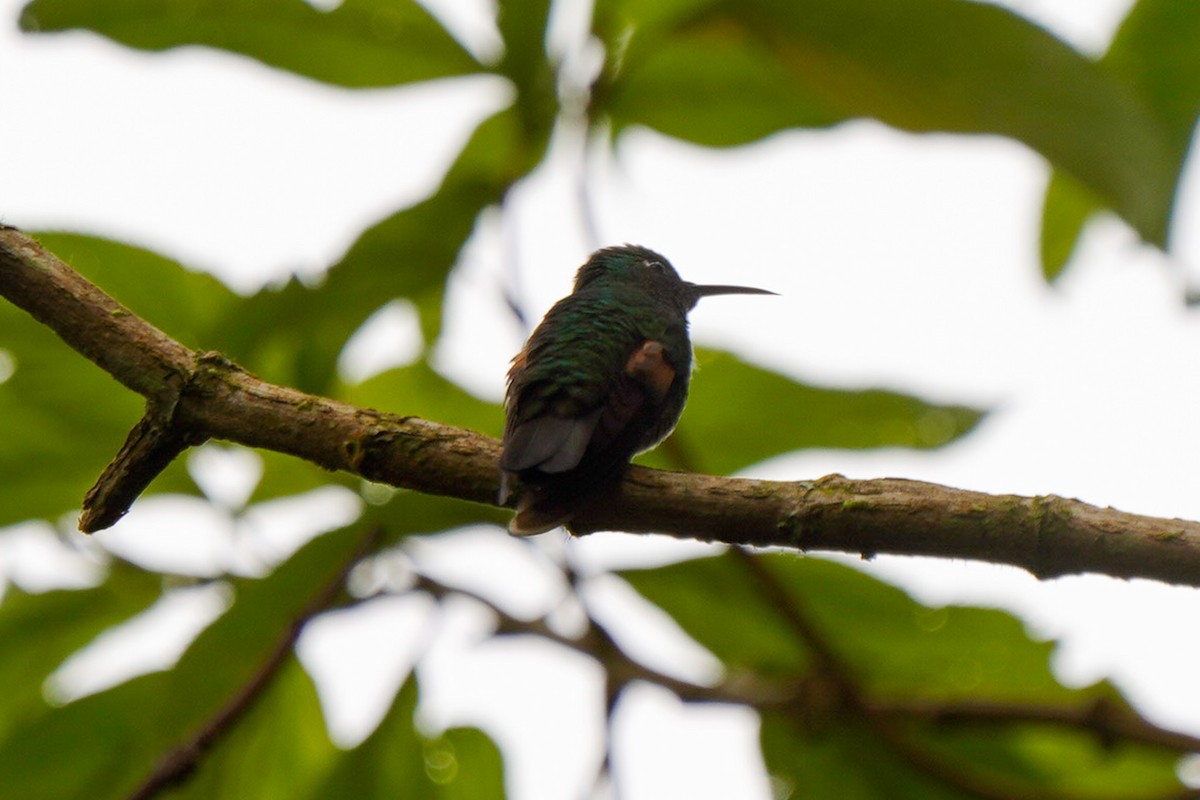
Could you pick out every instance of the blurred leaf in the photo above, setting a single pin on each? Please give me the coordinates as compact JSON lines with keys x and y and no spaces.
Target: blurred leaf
{"x":466,"y":765}
{"x":895,"y":645}
{"x":417,"y":390}
{"x":840,"y":760}
{"x":676,"y":86}
{"x":294,"y":335}
{"x":286,"y":476}
{"x":95,"y":747}
{"x":115,"y":738}
{"x":896,"y":648}
{"x":523,"y":28}
{"x":278,"y":751}
{"x":918,"y":65}
{"x":846,"y":758}
{"x":39,"y":631}
{"x":62,"y":418}
{"x":1065,"y":210}
{"x":1064,"y":761}
{"x":739,"y":414}
{"x":228,"y":653}
{"x":405,"y":512}
{"x":1155,"y":52}
{"x":742,"y":630}
{"x":524,"y":25}
{"x":398,"y":761}
{"x":185,"y":305}
{"x":360,"y":43}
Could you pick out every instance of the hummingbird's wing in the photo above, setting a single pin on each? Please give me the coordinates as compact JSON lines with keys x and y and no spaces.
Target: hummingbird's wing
{"x":549,"y":443}
{"x":569,"y":456}
{"x":556,"y":439}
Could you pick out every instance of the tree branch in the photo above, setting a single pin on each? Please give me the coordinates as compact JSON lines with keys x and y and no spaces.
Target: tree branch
{"x":207,"y":396}
{"x":125,"y":346}
{"x":1047,"y":535}
{"x":1109,"y":720}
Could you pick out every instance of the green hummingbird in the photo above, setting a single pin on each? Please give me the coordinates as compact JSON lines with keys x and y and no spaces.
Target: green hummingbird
{"x":603,"y":377}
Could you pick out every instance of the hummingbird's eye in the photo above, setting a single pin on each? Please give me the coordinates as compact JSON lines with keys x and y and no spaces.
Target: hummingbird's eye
{"x":657,"y":266}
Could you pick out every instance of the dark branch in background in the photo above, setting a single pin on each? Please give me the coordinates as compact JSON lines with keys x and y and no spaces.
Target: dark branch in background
{"x":892,"y":722}
{"x":848,"y":696}
{"x":1108,"y":720}
{"x":179,"y":763}
{"x":893,"y":718}
{"x":194,"y":396}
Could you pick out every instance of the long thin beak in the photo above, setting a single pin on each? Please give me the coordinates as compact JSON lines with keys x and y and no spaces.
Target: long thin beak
{"x":708,"y":290}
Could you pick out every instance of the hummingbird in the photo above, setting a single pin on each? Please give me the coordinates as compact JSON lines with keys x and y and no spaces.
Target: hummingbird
{"x":603,"y":377}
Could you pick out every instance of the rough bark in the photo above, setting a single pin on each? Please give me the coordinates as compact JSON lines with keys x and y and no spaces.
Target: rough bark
{"x":194,"y":396}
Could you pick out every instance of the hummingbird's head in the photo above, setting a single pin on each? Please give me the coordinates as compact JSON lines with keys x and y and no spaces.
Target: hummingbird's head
{"x":640,"y":266}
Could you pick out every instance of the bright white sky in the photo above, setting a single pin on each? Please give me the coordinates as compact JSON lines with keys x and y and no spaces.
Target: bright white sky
{"x":905,"y":262}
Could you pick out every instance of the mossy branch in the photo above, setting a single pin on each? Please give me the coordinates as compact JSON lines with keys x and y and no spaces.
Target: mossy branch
{"x":194,"y":396}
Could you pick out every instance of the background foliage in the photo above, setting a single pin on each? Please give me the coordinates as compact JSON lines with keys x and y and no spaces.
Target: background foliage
{"x":1116,"y":131}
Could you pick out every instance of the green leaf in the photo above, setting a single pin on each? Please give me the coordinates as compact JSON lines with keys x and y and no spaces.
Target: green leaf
{"x":278,"y":751}
{"x":401,"y":512}
{"x":231,"y":651}
{"x":361,"y":43}
{"x":117,"y":737}
{"x":840,"y":759}
{"x":46,"y":628}
{"x":417,"y":390}
{"x":294,"y":335}
{"x":1066,"y":209}
{"x":900,"y":650}
{"x":918,"y":65}
{"x":398,"y":761}
{"x":286,"y":476}
{"x":739,"y":414}
{"x":523,"y":28}
{"x":742,"y":630}
{"x":1154,"y":52}
{"x":466,"y":765}
{"x":677,"y":84}
{"x":1062,"y":760}
{"x":185,"y":304}
{"x":848,"y":758}
{"x":895,"y":645}
{"x":109,"y":742}
{"x":523,"y":25}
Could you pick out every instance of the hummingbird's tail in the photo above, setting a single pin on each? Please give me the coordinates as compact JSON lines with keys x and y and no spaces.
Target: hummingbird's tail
{"x":538,"y":509}
{"x":553,"y":500}
{"x":538,"y":513}
{"x":548,"y":501}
